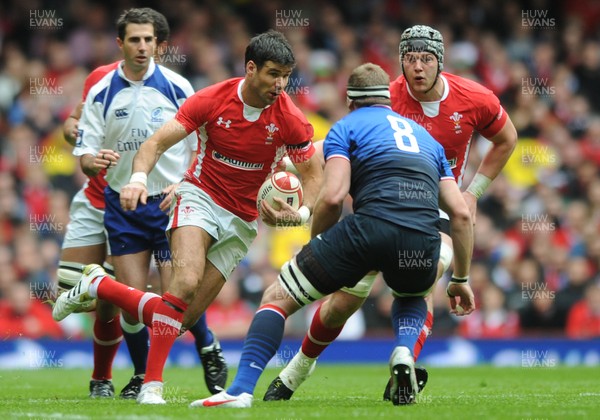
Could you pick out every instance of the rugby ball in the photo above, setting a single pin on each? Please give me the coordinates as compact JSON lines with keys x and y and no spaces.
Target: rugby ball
{"x":284,"y":185}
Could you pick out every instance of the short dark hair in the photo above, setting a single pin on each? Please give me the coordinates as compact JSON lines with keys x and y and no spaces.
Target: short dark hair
{"x":162,"y":31}
{"x":366,"y":76}
{"x":270,"y":46}
{"x":139,"y":16}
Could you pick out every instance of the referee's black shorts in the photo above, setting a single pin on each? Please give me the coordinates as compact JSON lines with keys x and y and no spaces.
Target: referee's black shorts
{"x":344,"y":254}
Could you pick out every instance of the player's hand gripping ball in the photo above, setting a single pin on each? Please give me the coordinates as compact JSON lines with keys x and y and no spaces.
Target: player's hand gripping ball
{"x":284,"y":185}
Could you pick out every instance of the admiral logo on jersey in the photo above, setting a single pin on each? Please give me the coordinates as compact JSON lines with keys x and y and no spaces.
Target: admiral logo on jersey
{"x":271,"y":129}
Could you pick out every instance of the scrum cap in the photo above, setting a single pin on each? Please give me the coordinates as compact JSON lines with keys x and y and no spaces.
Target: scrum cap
{"x":421,"y":38}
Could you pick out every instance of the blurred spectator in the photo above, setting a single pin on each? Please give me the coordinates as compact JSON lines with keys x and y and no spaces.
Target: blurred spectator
{"x":541,"y":316}
{"x":228,"y":315}
{"x":584,"y":316}
{"x":23,"y":316}
{"x":578,"y":279}
{"x":590,"y":144}
{"x":492,"y":320}
{"x":588,"y":73}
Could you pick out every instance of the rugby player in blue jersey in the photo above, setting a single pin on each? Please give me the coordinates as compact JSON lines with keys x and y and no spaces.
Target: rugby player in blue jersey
{"x":398,"y":176}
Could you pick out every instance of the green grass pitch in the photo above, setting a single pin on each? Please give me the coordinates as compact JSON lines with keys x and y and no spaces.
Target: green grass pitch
{"x":333,"y":392}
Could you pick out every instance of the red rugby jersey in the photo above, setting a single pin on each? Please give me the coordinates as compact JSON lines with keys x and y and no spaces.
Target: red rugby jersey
{"x":240,"y":145}
{"x":465,"y":107}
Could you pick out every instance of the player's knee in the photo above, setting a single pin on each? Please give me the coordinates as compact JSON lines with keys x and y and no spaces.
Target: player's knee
{"x":332,"y":318}
{"x":186,"y":286}
{"x":273,"y":293}
{"x":339,"y":307}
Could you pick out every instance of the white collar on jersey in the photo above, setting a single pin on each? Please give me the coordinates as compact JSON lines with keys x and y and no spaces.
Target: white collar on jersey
{"x":250,"y":113}
{"x":148,"y":73}
{"x":432,"y":108}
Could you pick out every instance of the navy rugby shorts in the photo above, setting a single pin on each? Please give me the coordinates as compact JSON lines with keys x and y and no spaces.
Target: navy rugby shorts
{"x":345,"y":253}
{"x":130,"y":232}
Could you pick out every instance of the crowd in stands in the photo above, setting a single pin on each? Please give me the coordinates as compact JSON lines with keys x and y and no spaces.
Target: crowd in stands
{"x":537,"y":233}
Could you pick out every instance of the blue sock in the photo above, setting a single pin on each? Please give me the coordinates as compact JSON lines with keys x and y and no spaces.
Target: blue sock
{"x":137,"y":339}
{"x":201,"y":333}
{"x":263,"y":340}
{"x":408,"y":318}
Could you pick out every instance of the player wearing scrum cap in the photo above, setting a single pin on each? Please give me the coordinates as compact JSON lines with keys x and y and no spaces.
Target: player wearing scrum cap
{"x":369,"y":154}
{"x":452,"y":109}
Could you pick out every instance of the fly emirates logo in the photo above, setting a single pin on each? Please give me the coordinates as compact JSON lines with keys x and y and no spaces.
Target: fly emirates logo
{"x":137,"y":136}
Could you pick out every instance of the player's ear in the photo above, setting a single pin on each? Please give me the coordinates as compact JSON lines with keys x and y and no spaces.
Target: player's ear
{"x":251,"y":68}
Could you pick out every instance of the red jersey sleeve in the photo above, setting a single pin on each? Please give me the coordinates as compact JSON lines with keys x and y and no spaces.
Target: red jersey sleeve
{"x":492,"y":116}
{"x":299,"y":134}
{"x":194,"y":112}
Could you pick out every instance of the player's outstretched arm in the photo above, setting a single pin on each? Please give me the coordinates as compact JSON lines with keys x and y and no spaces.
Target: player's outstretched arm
{"x":461,"y":228}
{"x":329,"y":205}
{"x":145,"y":159}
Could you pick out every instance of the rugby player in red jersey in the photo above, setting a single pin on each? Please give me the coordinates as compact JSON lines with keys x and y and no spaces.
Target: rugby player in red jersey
{"x":246,"y":125}
{"x":85,"y":243}
{"x":452,"y":109}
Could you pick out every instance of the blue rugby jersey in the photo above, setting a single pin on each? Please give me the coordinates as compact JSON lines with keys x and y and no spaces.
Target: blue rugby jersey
{"x":396,"y":166}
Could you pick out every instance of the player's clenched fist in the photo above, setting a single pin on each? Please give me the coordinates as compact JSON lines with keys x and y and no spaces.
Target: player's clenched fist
{"x":134,"y":192}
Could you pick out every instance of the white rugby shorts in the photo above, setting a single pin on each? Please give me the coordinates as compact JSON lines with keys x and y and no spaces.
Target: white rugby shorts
{"x":233,"y":235}
{"x":86,"y":224}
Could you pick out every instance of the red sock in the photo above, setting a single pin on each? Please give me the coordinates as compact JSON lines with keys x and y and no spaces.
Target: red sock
{"x":319,"y":336}
{"x":423,"y":336}
{"x":166,"y":326}
{"x":107,"y":337}
{"x":127,"y":298}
